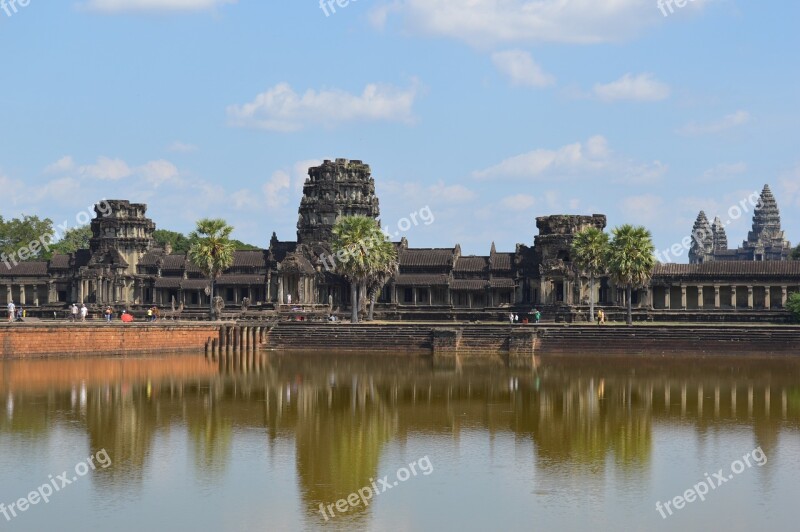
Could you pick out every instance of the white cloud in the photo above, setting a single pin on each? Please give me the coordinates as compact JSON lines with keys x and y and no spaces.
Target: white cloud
{"x":521,"y":69}
{"x":487,"y":22}
{"x":518,"y":202}
{"x":274,"y":188}
{"x":106,"y":169}
{"x":439,"y":192}
{"x":591,"y":159}
{"x":159,"y":172}
{"x":643,"y":209}
{"x":65,"y":164}
{"x":724,"y":171}
{"x":119,"y":6}
{"x":181,"y":147}
{"x":640,"y":88}
{"x":282,"y":109}
{"x":730,"y":121}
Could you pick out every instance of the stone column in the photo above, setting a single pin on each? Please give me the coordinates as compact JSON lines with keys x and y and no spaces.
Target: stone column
{"x":8,"y":294}
{"x":22,"y":294}
{"x":750,"y":297}
{"x":733,"y":296}
{"x":52,"y":295}
{"x":36,"y":295}
{"x":784,"y":296}
{"x":717,"y":302}
{"x":683,"y":297}
{"x":414,"y":292}
{"x":767,"y":298}
{"x":667,"y":297}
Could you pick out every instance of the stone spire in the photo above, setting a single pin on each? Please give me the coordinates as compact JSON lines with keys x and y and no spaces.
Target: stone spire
{"x":702,"y":249}
{"x":334,"y":189}
{"x":719,"y":236}
{"x":766,"y":219}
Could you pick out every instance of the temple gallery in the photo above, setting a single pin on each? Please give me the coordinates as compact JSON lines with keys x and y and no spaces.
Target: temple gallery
{"x":125,"y":267}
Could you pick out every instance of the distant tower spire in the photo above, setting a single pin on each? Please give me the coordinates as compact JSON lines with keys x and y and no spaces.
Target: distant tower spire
{"x":719,"y":236}
{"x":766,"y":241}
{"x":702,"y":249}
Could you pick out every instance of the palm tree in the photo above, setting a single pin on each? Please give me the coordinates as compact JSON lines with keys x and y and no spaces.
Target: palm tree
{"x":211,"y":250}
{"x":385,"y":266}
{"x":360,"y":250}
{"x":589,"y":250}
{"x":630,"y":260}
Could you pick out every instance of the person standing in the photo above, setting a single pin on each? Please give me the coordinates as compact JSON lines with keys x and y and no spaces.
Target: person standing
{"x":109,"y":313}
{"x":288,"y":299}
{"x":537,"y":316}
{"x":511,"y":318}
{"x":74,"y":313}
{"x":84,"y":312}
{"x":11,"y":310}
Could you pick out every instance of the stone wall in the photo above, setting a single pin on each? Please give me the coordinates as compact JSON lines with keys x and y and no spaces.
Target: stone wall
{"x":28,"y":341}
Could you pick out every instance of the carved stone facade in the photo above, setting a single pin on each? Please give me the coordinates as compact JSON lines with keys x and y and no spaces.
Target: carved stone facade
{"x":125,"y":268}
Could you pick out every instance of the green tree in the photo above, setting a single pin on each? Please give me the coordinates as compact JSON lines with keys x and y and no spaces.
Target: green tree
{"x":241,"y":246}
{"x":211,"y":250}
{"x":178,"y":241}
{"x":793,"y":304}
{"x":73,"y":240}
{"x":354,"y":239}
{"x":630,"y":260}
{"x":17,"y":234}
{"x":385,"y":265}
{"x":796,"y":253}
{"x":589,"y":251}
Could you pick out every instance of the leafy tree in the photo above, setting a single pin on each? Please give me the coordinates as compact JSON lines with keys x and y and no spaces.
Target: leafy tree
{"x":241,"y":246}
{"x":630,"y":260}
{"x":354,"y":239}
{"x":793,"y":304}
{"x":385,"y":265}
{"x":796,"y":253}
{"x":178,"y":241}
{"x":589,"y":251}
{"x":211,"y":250}
{"x":18,"y":233}
{"x":73,"y":240}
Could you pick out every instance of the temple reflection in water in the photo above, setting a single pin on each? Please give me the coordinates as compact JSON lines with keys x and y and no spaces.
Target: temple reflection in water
{"x":340,"y":414}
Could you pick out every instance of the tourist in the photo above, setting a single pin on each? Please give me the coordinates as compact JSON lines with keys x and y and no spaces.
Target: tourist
{"x":84,"y":312}
{"x":511,"y":318}
{"x":11,"y":310}
{"x":126,"y":318}
{"x":150,"y":314}
{"x":156,"y":314}
{"x":20,"y":314}
{"x":74,"y":312}
{"x":109,"y":314}
{"x":288,"y":299}
{"x":516,"y":318}
{"x":536,"y":315}
{"x":600,"y":316}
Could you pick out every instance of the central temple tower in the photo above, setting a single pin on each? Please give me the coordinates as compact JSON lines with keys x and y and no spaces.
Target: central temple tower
{"x":334,"y":189}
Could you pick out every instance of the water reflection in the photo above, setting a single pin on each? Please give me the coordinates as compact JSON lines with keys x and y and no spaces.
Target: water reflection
{"x":341,"y":413}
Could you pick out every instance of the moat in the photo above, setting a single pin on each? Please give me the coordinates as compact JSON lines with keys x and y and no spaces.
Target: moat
{"x":575,"y":443}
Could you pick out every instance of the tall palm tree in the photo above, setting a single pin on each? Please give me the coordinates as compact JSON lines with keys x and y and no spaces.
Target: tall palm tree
{"x":630,"y":260}
{"x":211,"y":250}
{"x":589,"y":251}
{"x":358,"y":245}
{"x":385,"y":267}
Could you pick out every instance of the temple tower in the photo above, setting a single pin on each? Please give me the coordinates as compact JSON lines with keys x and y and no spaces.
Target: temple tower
{"x":766,"y":241}
{"x":702,"y":249}
{"x":334,"y":189}
{"x":120,"y":231}
{"x":719,"y":236}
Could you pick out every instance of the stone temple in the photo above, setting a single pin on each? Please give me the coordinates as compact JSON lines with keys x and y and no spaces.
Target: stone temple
{"x":766,"y":241}
{"x":125,"y":268}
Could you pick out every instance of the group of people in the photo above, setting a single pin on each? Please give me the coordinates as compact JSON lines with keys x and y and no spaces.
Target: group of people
{"x":535,"y":314}
{"x":601,"y":316}
{"x":74,"y":312}
{"x":14,"y":312}
{"x":153,"y":314}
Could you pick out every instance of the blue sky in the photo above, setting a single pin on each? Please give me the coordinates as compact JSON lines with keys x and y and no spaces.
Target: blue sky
{"x":490,"y":112}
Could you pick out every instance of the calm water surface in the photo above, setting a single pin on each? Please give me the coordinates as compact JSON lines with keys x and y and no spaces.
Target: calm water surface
{"x":575,"y":444}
